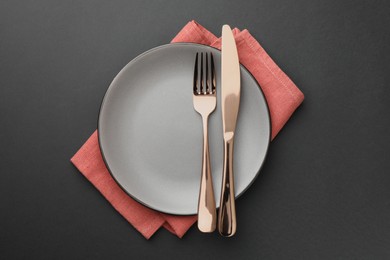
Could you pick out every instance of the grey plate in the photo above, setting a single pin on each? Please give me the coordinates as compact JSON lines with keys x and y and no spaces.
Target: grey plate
{"x":151,"y":136}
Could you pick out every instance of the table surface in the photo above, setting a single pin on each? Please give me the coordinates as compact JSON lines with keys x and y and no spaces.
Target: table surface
{"x":324,"y":191}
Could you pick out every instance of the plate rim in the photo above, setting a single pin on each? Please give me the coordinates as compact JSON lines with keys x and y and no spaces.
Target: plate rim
{"x":106,"y":94}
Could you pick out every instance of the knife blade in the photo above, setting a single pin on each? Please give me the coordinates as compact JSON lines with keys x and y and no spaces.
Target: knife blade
{"x":230,"y":98}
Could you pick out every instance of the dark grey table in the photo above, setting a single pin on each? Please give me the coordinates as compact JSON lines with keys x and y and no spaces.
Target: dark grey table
{"x":324,"y":192}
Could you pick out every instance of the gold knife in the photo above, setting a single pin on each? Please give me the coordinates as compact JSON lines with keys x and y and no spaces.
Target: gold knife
{"x":230,"y":98}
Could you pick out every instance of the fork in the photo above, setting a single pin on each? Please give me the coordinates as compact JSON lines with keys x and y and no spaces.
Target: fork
{"x":205,"y":101}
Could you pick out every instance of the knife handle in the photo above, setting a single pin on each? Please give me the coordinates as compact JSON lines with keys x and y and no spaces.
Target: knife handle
{"x":227,"y":223}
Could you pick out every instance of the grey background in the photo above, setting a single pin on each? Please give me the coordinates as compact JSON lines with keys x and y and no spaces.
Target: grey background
{"x":324,"y":192}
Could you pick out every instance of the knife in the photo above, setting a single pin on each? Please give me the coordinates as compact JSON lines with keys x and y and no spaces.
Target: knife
{"x":230,"y":98}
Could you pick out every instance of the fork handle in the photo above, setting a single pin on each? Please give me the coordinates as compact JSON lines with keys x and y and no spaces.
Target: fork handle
{"x":227,"y":210}
{"x":207,"y":216}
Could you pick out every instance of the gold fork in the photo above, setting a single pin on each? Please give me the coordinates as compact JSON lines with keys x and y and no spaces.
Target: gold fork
{"x":205,"y":101}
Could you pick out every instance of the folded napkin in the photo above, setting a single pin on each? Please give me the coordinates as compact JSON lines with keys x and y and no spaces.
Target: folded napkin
{"x":283,"y":97}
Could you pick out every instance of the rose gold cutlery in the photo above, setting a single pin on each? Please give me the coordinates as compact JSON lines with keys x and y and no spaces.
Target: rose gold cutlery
{"x":230,"y":98}
{"x":205,"y":101}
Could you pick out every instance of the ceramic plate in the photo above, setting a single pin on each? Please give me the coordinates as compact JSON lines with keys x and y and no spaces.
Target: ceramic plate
{"x":151,"y":137}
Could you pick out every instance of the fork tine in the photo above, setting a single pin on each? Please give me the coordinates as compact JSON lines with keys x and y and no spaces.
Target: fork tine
{"x":205,"y":83}
{"x":201,"y":74}
{"x":213,"y":81}
{"x":196,"y":80}
{"x":208,"y":87}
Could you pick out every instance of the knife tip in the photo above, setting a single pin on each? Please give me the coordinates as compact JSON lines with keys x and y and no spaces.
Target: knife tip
{"x":226,"y":27}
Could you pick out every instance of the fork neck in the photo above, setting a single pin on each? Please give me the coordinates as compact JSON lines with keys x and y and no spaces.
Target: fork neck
{"x":205,"y":120}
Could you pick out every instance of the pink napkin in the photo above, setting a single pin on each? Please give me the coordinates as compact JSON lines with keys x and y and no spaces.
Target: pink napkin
{"x":283,"y":98}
